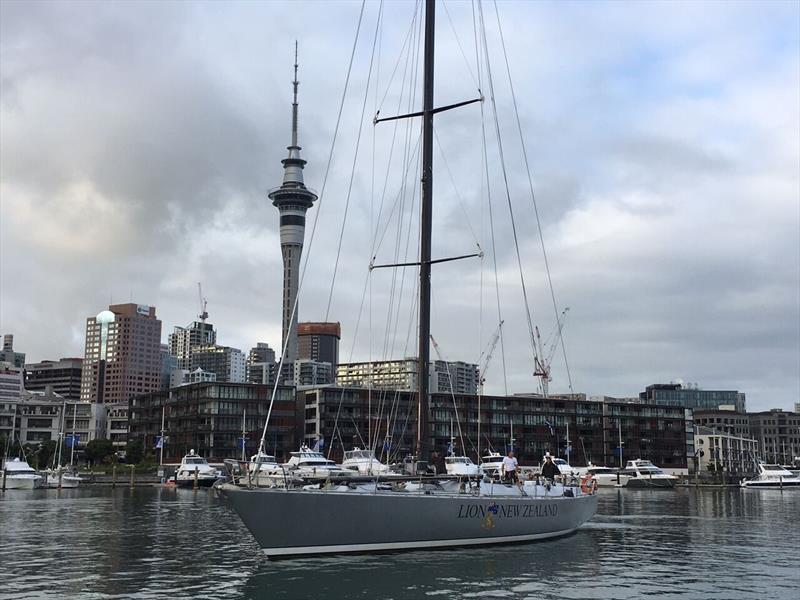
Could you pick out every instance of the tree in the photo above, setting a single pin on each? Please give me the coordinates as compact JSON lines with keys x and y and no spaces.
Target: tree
{"x":98,"y":451}
{"x":134,"y":451}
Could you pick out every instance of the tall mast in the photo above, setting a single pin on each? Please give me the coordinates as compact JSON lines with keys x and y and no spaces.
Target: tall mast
{"x":425,"y":231}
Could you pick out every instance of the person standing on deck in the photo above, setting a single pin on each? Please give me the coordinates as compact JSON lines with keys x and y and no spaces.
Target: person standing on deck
{"x":510,"y":467}
{"x":549,"y":468}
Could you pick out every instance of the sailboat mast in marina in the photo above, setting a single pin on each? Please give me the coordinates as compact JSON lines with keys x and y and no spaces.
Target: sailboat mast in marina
{"x":421,"y":511}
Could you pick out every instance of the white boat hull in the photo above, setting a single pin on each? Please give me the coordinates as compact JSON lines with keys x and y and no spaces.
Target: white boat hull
{"x":23,"y":482}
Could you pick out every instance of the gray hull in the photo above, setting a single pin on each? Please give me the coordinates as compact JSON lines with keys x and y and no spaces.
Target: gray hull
{"x":303,"y":522}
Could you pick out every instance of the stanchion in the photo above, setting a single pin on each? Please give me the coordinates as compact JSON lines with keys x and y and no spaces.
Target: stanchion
{"x":114,"y":476}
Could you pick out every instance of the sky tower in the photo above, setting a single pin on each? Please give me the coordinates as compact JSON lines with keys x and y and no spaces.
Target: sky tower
{"x":292,"y":199}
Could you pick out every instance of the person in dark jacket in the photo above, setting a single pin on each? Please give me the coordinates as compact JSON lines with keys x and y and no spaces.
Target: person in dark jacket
{"x":549,"y":468}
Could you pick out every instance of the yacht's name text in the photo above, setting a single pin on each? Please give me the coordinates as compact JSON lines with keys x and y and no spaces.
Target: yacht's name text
{"x":477,"y":511}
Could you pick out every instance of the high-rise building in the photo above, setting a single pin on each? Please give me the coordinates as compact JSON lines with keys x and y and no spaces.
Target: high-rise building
{"x":183,"y":340}
{"x":229,"y":364}
{"x":319,"y":342}
{"x":8,"y":355}
{"x":123,"y":354}
{"x":292,"y":199}
{"x":64,"y":376}
{"x":12,"y":381}
{"x":261,"y":366}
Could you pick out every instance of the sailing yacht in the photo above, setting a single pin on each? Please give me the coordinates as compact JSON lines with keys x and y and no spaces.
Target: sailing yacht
{"x":325,"y":521}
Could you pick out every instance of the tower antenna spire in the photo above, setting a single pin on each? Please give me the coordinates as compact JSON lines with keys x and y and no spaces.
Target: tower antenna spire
{"x":295,"y":83}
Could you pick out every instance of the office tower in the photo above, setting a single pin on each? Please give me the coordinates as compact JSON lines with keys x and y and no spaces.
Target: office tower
{"x":123,"y":354}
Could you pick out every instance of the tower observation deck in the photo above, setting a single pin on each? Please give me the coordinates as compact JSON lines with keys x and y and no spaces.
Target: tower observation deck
{"x":292,"y":199}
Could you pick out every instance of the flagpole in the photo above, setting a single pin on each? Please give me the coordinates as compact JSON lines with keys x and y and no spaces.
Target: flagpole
{"x":72,"y":445}
{"x":244,"y":416}
{"x":161,"y":441}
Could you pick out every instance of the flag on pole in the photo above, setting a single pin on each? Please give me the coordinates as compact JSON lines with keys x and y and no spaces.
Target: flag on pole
{"x":72,"y":440}
{"x":550,"y":427}
{"x":319,"y":444}
{"x":387,"y":445}
{"x":240,"y":442}
{"x":159,"y":442}
{"x":450,"y":447}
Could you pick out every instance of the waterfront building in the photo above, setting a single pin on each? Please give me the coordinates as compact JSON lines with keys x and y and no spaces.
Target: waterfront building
{"x":661,"y":434}
{"x":64,"y":376}
{"x":228,"y":364}
{"x":183,"y":341}
{"x":319,"y":342}
{"x":123,"y":354}
{"x":778,"y":434}
{"x":677,"y":394}
{"x":724,"y":420}
{"x":403,"y":375}
{"x":726,"y":455}
{"x":116,"y":424}
{"x":8,"y":354}
{"x":292,"y":199}
{"x":39,"y":416}
{"x":207,"y":418}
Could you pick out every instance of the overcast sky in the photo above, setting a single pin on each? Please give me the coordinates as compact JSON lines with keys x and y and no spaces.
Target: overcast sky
{"x":138,"y":140}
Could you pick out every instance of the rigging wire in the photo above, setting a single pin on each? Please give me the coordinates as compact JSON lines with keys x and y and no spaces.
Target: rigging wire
{"x":355,"y":160}
{"x":533,"y":195}
{"x":490,"y":81}
{"x":478,"y":45}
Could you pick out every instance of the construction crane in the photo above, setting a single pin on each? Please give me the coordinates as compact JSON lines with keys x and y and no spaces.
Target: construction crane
{"x":487,"y":357}
{"x":542,"y":362}
{"x":203,"y":303}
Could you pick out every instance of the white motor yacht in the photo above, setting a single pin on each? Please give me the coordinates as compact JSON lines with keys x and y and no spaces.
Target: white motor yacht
{"x":642,"y":474}
{"x":264,"y":471}
{"x":363,"y":462}
{"x":772,"y":477}
{"x":461,"y":466}
{"x":195,"y":468}
{"x":492,"y":463}
{"x":603,"y":476}
{"x":18,"y":475}
{"x":310,"y":463}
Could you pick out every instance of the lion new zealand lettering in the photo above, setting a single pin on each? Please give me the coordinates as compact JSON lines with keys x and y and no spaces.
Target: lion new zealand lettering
{"x":479,"y":511}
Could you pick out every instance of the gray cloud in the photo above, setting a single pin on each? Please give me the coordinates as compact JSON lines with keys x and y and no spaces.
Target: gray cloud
{"x":137,"y":142}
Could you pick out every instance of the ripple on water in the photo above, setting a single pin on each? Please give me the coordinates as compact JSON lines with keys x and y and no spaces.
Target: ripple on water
{"x":147,"y":543}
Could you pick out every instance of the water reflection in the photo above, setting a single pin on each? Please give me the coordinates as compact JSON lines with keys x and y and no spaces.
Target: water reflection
{"x":148,"y":542}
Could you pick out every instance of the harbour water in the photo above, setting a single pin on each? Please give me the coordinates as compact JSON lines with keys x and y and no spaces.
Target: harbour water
{"x":155,"y":543}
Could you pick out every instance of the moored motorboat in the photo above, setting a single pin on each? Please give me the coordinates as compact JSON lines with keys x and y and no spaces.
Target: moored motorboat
{"x":603,"y":476}
{"x":17,"y":474}
{"x":195,"y":470}
{"x":461,"y":466}
{"x":308,"y":463}
{"x":363,"y":461}
{"x":644,"y":474}
{"x":772,"y":477}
